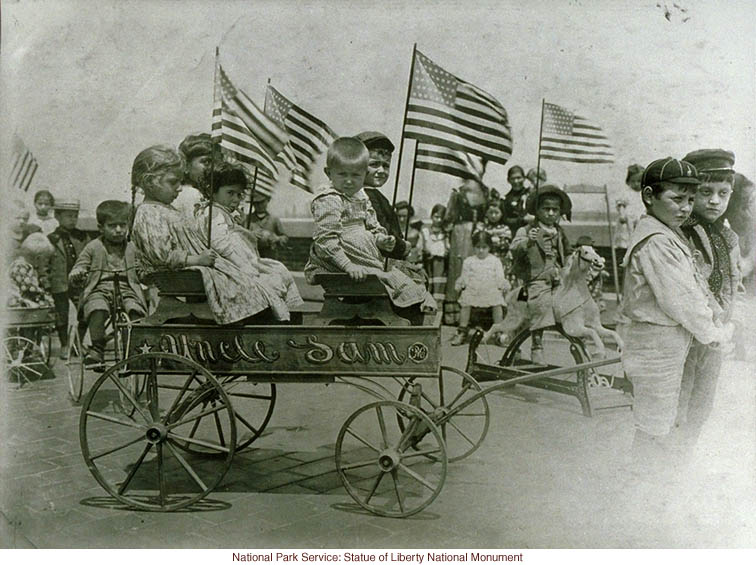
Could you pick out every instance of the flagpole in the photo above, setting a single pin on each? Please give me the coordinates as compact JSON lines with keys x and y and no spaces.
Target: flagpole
{"x":538,"y":161}
{"x":412,"y":188}
{"x":212,"y":157}
{"x":611,"y":244}
{"x":404,"y":123}
{"x":252,"y":198}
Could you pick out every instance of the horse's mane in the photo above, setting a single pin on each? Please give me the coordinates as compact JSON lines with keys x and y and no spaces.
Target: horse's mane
{"x":571,"y":274}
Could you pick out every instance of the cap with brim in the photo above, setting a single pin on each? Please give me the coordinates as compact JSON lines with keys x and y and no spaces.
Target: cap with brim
{"x":549,"y":190}
{"x":259,"y":196}
{"x":711,"y":160}
{"x":669,"y":169}
{"x":67,"y":204}
{"x":375,"y":140}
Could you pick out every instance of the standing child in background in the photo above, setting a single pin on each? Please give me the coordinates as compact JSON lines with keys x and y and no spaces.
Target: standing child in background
{"x":664,"y":306}
{"x":109,"y":252}
{"x":436,"y":253}
{"x":539,"y":250}
{"x":166,"y":240}
{"x":68,"y":242}
{"x":44,"y":217}
{"x":237,"y":243}
{"x":271,"y":236}
{"x":514,"y":202}
{"x":348,"y":237}
{"x":412,"y":227}
{"x":18,"y":226}
{"x":482,"y":284}
{"x":501,"y":236}
{"x":717,"y":256}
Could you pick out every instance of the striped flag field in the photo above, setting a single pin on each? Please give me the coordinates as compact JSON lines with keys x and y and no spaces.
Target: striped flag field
{"x":447,"y":111}
{"x":308,"y":136}
{"x":23,"y":166}
{"x":568,"y":137}
{"x":245,"y":132}
{"x":449,"y":161}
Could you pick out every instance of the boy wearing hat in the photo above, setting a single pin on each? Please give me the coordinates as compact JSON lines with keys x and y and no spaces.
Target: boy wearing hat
{"x":267,"y":227}
{"x":664,"y":306}
{"x":717,"y":256}
{"x":380,"y":149}
{"x":539,"y":250}
{"x":199,"y":151}
{"x":68,"y":242}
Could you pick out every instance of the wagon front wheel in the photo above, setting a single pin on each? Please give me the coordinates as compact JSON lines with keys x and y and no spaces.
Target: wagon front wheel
{"x":131,"y":443}
{"x":391,"y":470}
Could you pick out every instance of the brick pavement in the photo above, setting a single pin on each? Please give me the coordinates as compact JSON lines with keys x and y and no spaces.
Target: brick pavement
{"x":545,"y":477}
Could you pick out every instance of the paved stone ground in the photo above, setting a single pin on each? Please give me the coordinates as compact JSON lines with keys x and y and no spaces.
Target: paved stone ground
{"x":546,"y":476}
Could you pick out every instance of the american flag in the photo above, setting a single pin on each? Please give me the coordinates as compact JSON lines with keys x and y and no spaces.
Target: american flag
{"x":450,"y":161}
{"x":308,"y":136}
{"x":23,"y":166}
{"x":569,"y":137}
{"x":444,"y":110}
{"x":245,"y":132}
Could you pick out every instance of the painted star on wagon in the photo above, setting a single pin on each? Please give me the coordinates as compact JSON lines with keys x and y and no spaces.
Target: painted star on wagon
{"x":145,"y":348}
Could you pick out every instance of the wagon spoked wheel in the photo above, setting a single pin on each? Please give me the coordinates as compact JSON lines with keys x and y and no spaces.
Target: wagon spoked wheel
{"x":387,"y":469}
{"x":253,"y":405}
{"x":24,"y":360}
{"x":464,"y":431}
{"x":75,"y":365}
{"x":132,"y":451}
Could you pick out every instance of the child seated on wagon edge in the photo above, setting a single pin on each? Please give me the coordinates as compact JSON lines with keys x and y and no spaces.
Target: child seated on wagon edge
{"x":348,"y":237}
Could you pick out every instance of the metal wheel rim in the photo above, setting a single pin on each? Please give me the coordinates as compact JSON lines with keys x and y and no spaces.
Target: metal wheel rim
{"x":75,"y":365}
{"x":16,"y":362}
{"x":162,"y":504}
{"x":447,"y":426}
{"x":440,"y":459}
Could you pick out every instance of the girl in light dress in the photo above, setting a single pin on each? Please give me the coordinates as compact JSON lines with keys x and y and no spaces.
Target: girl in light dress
{"x":482,"y":284}
{"x":167,"y":241}
{"x":239,"y":244}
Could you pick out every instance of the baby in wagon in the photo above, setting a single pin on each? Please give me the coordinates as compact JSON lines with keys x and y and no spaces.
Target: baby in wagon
{"x":348,"y":237}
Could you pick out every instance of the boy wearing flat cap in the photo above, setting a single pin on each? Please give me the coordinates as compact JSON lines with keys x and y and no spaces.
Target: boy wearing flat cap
{"x":665,"y":305}
{"x":68,"y":243}
{"x":539,"y":250}
{"x":717,"y":255}
{"x":380,"y":149}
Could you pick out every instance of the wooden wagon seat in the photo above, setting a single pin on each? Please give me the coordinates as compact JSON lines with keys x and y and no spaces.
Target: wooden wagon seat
{"x":346,"y":300}
{"x":182,"y":295}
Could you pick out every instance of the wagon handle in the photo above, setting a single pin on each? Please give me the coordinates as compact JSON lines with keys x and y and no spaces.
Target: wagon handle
{"x":525,"y":378}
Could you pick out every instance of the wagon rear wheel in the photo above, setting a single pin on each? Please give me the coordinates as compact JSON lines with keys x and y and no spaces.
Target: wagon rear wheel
{"x":465,"y":430}
{"x":253,"y":405}
{"x":130,"y":444}
{"x":391,"y":470}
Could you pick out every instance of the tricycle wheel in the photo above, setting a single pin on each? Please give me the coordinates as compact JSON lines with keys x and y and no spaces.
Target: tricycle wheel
{"x":253,"y":406}
{"x":75,"y":364}
{"x":131,"y":444}
{"x":464,"y":431}
{"x":391,"y":470}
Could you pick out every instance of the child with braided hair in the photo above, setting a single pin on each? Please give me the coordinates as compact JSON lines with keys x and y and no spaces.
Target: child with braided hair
{"x":166,"y":241}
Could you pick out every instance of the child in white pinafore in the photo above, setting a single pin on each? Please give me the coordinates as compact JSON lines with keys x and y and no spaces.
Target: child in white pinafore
{"x":482,"y":284}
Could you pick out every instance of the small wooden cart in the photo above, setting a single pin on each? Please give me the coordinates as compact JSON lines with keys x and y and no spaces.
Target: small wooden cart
{"x":28,"y":343}
{"x":208,"y":391}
